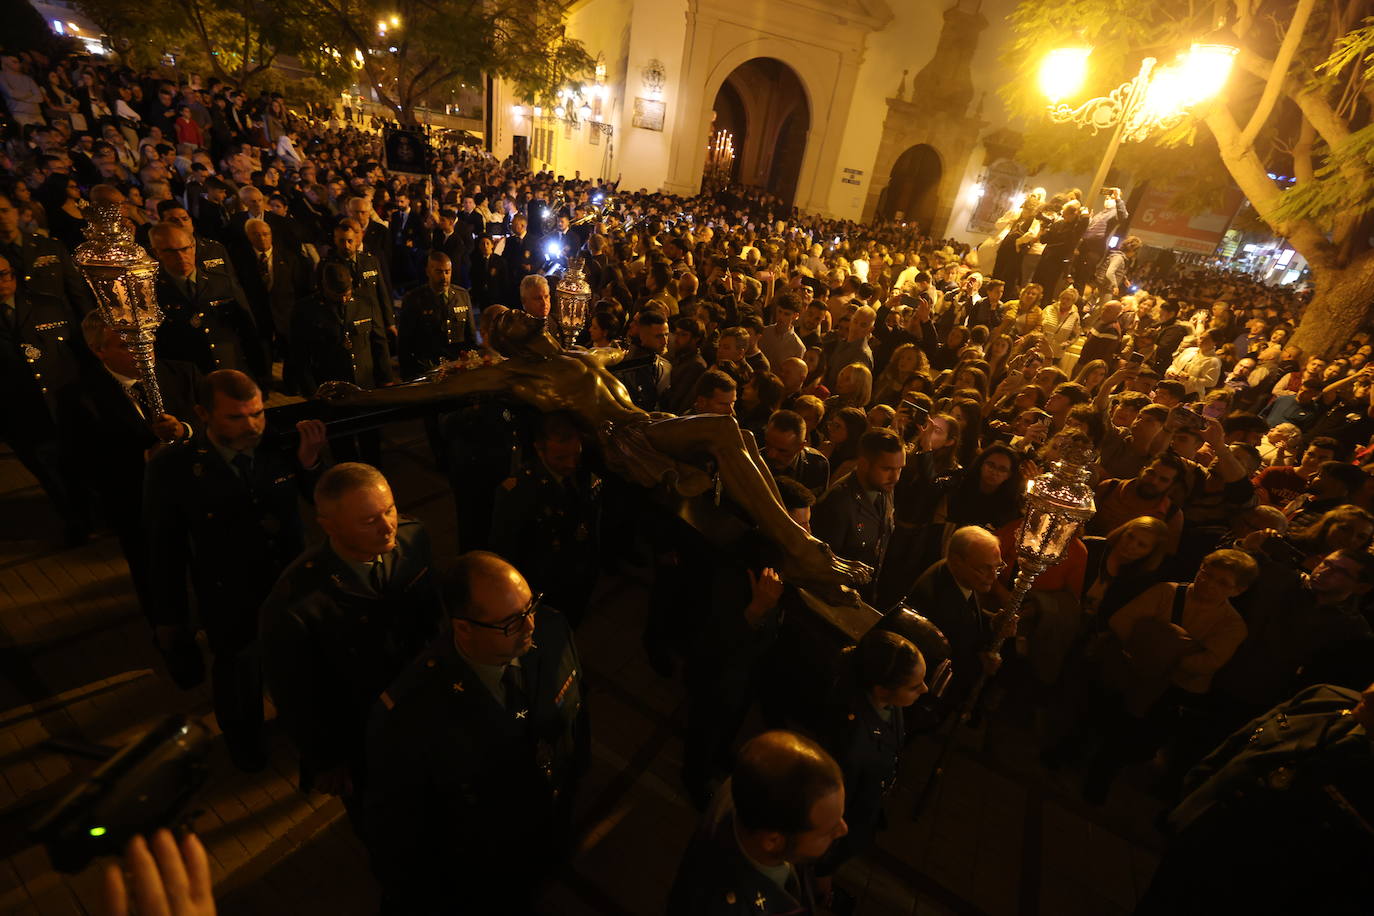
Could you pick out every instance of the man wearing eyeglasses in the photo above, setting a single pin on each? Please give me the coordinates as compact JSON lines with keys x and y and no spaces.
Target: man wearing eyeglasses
{"x":950,"y":595}
{"x":475,"y":751}
{"x":1292,"y":618}
{"x":342,"y":622}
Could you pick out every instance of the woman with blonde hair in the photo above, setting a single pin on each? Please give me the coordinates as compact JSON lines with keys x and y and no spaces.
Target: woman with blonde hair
{"x":906,"y":361}
{"x":853,"y":388}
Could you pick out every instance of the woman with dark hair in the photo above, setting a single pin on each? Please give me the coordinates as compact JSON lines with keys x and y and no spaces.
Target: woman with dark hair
{"x":758,"y":398}
{"x":864,"y":731}
{"x":931,"y":459}
{"x":988,"y":493}
{"x":1345,"y":527}
{"x":62,"y":202}
{"x":841,"y":446}
{"x":604,"y":330}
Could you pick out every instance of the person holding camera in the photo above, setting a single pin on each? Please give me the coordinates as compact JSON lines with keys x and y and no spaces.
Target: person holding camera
{"x":1292,"y":617}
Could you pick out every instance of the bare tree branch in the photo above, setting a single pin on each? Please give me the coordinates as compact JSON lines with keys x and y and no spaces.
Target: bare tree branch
{"x":1278,"y":73}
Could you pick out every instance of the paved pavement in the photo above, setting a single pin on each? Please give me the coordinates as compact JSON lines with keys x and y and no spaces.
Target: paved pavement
{"x":999,"y":838}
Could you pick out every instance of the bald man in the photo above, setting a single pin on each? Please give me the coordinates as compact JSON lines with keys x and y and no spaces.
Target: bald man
{"x":476,"y":750}
{"x":951,"y":593}
{"x":777,"y":814}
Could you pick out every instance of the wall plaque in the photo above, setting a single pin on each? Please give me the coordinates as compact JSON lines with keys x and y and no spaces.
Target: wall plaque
{"x":649,"y":113}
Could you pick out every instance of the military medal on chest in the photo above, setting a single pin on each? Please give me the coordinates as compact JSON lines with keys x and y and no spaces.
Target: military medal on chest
{"x":32,"y":353}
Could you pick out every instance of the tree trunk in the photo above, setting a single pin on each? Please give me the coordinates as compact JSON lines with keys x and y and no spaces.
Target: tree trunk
{"x":1340,"y":307}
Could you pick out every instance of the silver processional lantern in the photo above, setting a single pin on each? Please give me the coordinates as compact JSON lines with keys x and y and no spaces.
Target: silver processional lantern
{"x":1058,"y":502}
{"x":122,"y":276}
{"x":574,"y":303}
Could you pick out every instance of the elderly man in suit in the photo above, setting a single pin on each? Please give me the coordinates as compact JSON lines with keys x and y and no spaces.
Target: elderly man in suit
{"x":107,"y":427}
{"x":275,"y":278}
{"x":950,"y":593}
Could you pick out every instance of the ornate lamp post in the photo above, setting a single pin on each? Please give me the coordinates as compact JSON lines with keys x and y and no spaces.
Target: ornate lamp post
{"x":574,"y":302}
{"x":1158,"y":98}
{"x":121,"y":274}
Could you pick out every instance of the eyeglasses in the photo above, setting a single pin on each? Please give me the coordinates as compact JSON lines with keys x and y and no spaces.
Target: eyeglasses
{"x":511,"y":625}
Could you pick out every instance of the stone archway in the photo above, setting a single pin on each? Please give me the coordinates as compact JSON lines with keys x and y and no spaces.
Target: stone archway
{"x":913,"y":186}
{"x":763,"y":103}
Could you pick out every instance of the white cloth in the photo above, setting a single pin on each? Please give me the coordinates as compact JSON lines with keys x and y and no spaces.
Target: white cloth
{"x":1197,"y":371}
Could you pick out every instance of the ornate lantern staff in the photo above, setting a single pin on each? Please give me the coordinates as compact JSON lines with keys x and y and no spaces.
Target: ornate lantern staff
{"x":121,"y":274}
{"x":574,"y":303}
{"x":1057,"y":503}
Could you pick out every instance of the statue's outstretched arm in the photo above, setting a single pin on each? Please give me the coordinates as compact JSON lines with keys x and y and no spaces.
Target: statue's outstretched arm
{"x":465,"y":383}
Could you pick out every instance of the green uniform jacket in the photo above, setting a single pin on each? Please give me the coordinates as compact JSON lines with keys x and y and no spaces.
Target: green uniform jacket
{"x":463,"y":786}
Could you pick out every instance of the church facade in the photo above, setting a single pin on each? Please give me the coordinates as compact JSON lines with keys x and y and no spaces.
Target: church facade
{"x":849,"y":108}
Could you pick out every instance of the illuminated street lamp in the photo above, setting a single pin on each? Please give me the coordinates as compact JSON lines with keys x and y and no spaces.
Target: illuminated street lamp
{"x":1158,"y":98}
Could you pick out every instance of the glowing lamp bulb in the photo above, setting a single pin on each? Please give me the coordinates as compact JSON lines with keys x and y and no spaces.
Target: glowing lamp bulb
{"x":1063,"y":71}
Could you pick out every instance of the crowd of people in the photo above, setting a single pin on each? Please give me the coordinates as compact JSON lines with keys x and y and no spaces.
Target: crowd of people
{"x":895,"y":392}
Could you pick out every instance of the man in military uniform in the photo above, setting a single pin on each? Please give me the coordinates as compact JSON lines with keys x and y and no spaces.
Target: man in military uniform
{"x":374,"y":239}
{"x":338,"y":336}
{"x":369,"y":283}
{"x":475,"y":752}
{"x":42,"y":266}
{"x":855,"y":515}
{"x":1280,"y":817}
{"x":437,"y":321}
{"x":225,"y":510}
{"x":211,"y":255}
{"x":547,"y":519}
{"x":753,"y":852}
{"x":342,"y":622}
{"x":206,"y":320}
{"x":40,"y":353}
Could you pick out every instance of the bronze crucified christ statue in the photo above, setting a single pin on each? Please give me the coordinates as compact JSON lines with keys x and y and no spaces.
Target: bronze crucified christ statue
{"x":649,"y":449}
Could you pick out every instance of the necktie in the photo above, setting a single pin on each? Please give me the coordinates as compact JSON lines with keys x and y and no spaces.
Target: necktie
{"x":265,"y":270}
{"x":243,"y":463}
{"x":517,"y":701}
{"x":377,"y":577}
{"x":140,"y":396}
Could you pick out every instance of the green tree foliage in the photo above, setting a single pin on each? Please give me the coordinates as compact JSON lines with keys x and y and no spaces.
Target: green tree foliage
{"x":236,"y":40}
{"x":1298,"y":104}
{"x":411,"y":50}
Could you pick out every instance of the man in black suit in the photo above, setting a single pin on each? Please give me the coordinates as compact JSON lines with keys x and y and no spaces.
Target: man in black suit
{"x":488,"y":729}
{"x":561,"y":245}
{"x":210,"y":212}
{"x":206,"y":320}
{"x":341,"y":624}
{"x":275,"y":279}
{"x":310,"y":210}
{"x":223,"y":510}
{"x":106,"y":426}
{"x":408,"y":239}
{"x":948,"y":594}
{"x":41,"y":352}
{"x":454,"y":238}
{"x":255,"y":207}
{"x":520,"y":251}
{"x":437,"y":323}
